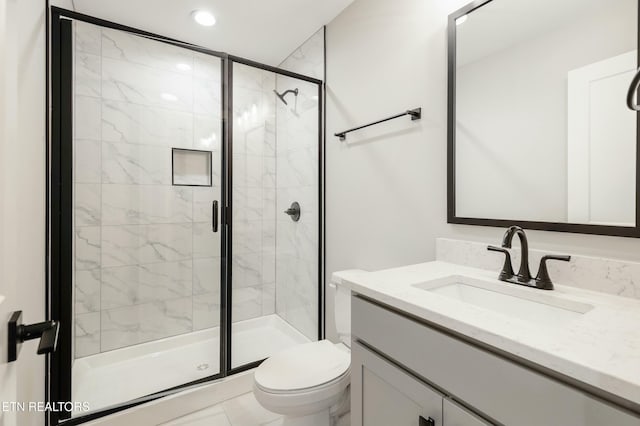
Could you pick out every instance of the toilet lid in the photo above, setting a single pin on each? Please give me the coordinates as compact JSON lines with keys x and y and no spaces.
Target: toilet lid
{"x":303,"y":366}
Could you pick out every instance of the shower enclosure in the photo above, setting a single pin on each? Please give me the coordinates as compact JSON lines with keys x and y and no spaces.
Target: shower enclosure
{"x":175,"y":256}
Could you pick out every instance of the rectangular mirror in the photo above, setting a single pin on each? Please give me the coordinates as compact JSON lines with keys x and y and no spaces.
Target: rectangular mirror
{"x":539,"y":131}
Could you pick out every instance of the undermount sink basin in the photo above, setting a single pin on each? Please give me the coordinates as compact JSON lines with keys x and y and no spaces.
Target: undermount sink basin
{"x":522,"y":303}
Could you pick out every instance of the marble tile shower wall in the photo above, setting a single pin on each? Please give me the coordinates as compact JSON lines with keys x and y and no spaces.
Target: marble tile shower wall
{"x":297,"y":180}
{"x":146,"y":261}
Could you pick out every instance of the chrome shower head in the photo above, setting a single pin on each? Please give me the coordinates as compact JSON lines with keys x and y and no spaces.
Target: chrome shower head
{"x":283,"y":94}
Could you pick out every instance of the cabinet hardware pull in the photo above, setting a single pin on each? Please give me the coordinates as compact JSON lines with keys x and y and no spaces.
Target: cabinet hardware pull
{"x":426,"y":422}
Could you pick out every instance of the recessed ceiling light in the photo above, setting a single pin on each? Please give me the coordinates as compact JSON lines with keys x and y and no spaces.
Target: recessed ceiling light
{"x":169,"y":97}
{"x":461,"y":20}
{"x":204,"y":18}
{"x":183,"y":67}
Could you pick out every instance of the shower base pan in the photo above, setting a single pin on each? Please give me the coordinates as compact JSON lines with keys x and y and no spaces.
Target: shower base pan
{"x":122,"y":375}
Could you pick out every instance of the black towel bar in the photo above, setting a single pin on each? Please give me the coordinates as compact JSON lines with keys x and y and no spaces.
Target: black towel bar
{"x":415,"y":114}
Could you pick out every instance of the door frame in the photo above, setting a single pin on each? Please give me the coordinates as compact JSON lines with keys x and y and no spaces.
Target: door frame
{"x":60,"y":209}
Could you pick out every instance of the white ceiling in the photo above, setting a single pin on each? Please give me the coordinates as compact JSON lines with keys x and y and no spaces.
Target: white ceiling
{"x":266,"y":31}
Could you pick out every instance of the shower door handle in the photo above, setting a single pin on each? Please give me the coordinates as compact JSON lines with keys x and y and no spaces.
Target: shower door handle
{"x":214,"y":216}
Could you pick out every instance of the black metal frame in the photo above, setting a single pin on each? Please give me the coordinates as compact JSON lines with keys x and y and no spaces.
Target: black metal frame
{"x":59,"y":194}
{"x":618,"y":231}
{"x":173,"y":173}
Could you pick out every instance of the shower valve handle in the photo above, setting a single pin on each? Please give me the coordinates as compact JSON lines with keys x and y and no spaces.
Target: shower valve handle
{"x":294,"y":211}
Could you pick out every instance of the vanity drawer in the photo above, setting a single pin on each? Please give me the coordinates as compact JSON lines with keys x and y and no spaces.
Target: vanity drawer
{"x":496,"y":387}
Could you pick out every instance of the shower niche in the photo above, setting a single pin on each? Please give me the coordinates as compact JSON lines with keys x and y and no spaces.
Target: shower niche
{"x":178,"y":263}
{"x":190,"y":167}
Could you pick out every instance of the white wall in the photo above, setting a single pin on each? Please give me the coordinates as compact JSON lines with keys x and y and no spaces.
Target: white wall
{"x":386,"y":187}
{"x":22,"y":183}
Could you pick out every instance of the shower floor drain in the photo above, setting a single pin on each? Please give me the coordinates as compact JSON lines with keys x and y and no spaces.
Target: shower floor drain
{"x":202,"y":367}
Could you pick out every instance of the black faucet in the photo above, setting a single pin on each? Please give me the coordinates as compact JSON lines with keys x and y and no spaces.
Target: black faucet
{"x":524,"y":274}
{"x":542,"y":280}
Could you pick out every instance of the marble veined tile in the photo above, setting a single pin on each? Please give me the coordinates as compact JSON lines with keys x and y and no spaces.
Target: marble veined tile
{"x":206,"y":243}
{"x":135,"y":164}
{"x":87,"y":248}
{"x":207,"y":97}
{"x":145,"y":204}
{"x":298,"y":168}
{"x":269,"y":203}
{"x":87,"y":291}
{"x":87,"y":37}
{"x":298,"y":240}
{"x":247,"y":171}
{"x":206,"y":310}
{"x":86,"y":155}
{"x":140,"y":50}
{"x":87,"y":75}
{"x":268,"y":266}
{"x":140,"y":244}
{"x":247,"y":236}
{"x":206,"y":275}
{"x":207,"y":67}
{"x":86,"y":204}
{"x":140,"y":124}
{"x":247,"y":77}
{"x":247,"y":303}
{"x":247,"y":203}
{"x":207,"y":132}
{"x":270,"y":138}
{"x":87,"y":118}
{"x":87,"y":334}
{"x":268,"y":299}
{"x":269,"y":174}
{"x":142,"y":85}
{"x":131,"y":325}
{"x":247,"y":269}
{"x":135,"y":284}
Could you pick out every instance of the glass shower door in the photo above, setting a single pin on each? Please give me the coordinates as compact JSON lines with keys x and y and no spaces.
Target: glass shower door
{"x":146,"y":197}
{"x":274,"y":255}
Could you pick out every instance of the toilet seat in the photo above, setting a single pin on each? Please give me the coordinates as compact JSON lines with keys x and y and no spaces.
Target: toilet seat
{"x":304,"y":379}
{"x":302,"y":367}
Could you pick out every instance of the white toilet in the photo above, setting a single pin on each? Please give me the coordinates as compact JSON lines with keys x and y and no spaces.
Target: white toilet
{"x":309,"y":383}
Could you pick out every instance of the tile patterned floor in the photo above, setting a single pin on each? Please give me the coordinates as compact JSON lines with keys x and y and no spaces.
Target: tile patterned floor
{"x":243,"y":410}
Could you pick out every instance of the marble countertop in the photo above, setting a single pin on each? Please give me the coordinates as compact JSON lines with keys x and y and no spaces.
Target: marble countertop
{"x":600,"y":348}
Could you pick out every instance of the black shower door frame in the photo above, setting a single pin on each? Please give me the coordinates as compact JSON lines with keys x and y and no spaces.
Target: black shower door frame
{"x":60,"y":209}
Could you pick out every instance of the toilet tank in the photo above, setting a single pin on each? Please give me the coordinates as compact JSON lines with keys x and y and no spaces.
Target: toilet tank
{"x":342,"y":303}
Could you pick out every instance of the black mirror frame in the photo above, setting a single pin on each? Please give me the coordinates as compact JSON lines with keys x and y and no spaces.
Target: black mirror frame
{"x":618,"y":231}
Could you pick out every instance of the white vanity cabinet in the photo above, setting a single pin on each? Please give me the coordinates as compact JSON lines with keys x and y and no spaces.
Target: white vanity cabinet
{"x":404,"y":369}
{"x":388,"y":395}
